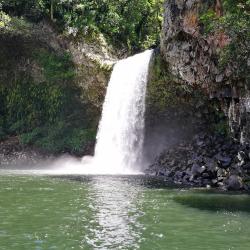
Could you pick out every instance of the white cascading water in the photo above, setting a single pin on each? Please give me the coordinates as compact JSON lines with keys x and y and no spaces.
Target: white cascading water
{"x":121,"y":130}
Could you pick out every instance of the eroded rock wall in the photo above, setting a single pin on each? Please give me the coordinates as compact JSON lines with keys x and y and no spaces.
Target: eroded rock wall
{"x":93,"y":59}
{"x":217,"y":101}
{"x":175,"y":110}
{"x":194,"y":58}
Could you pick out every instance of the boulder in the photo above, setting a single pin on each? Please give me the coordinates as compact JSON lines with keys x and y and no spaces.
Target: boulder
{"x":234,"y":182}
{"x":196,"y":170}
{"x":225,"y":161}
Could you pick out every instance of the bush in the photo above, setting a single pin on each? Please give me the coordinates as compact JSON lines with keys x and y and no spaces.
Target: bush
{"x":234,"y":27}
{"x":29,"y":105}
{"x":59,"y":137}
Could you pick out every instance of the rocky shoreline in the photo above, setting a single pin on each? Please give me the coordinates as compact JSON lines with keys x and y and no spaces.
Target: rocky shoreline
{"x":14,"y":154}
{"x":205,"y":161}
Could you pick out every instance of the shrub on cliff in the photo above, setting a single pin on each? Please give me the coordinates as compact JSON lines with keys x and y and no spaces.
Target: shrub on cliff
{"x":234,"y":26}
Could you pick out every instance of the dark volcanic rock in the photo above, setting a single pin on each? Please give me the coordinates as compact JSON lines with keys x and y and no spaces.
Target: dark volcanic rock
{"x":196,"y":170}
{"x":234,"y":182}
{"x":225,"y":161}
{"x":228,"y":167}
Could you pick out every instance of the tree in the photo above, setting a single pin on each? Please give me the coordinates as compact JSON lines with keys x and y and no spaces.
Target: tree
{"x":134,"y":24}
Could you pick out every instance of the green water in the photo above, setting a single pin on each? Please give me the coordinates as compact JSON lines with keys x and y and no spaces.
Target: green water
{"x":118,"y":213}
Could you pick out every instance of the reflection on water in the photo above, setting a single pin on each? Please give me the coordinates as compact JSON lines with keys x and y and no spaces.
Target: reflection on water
{"x":115,"y":204}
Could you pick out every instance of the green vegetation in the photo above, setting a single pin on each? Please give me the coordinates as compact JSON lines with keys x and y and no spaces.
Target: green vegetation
{"x":164,"y":91}
{"x":232,"y":30}
{"x":218,"y":120}
{"x":49,"y":113}
{"x":165,"y":94}
{"x":59,"y":137}
{"x":14,"y":25}
{"x":134,"y":25}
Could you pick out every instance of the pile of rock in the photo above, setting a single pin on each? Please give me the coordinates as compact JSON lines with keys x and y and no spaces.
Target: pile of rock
{"x":206,"y":161}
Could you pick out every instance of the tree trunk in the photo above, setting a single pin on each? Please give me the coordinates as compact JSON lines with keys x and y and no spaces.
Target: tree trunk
{"x":52,"y":10}
{"x":219,"y":8}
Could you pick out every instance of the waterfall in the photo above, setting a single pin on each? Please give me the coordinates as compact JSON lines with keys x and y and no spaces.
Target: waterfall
{"x":121,"y":129}
{"x":120,"y":135}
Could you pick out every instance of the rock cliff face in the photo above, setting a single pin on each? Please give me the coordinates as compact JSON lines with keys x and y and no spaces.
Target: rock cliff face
{"x":34,"y":57}
{"x":175,"y":111}
{"x":193,"y":58}
{"x":217,"y":100}
{"x":92,"y":60}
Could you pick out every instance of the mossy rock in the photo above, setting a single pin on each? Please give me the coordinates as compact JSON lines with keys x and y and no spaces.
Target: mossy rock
{"x":169,"y":98}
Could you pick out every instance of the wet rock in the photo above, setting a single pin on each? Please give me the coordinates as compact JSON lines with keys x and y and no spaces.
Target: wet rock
{"x":191,"y":178}
{"x":200,"y":143}
{"x":225,"y":161}
{"x":161,"y":173}
{"x":220,"y":179}
{"x":241,"y":157}
{"x":193,"y":58}
{"x":178,"y":175}
{"x":211,"y":166}
{"x":206,"y":182}
{"x":217,"y":163}
{"x":205,"y":175}
{"x":196,"y":170}
{"x":221,"y":172}
{"x":234,"y":182}
{"x":214,"y":181}
{"x":246,"y":166}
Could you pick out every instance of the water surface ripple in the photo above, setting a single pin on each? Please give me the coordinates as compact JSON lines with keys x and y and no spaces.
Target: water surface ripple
{"x":116,"y":212}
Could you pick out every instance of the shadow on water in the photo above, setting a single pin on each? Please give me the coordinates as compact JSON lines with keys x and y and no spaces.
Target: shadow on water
{"x":215,"y":201}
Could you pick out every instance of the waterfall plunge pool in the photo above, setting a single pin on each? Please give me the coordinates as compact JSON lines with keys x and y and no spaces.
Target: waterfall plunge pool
{"x":43,"y":208}
{"x":118,"y":212}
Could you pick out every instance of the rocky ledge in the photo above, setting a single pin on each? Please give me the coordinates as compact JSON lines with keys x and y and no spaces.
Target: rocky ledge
{"x":206,"y":161}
